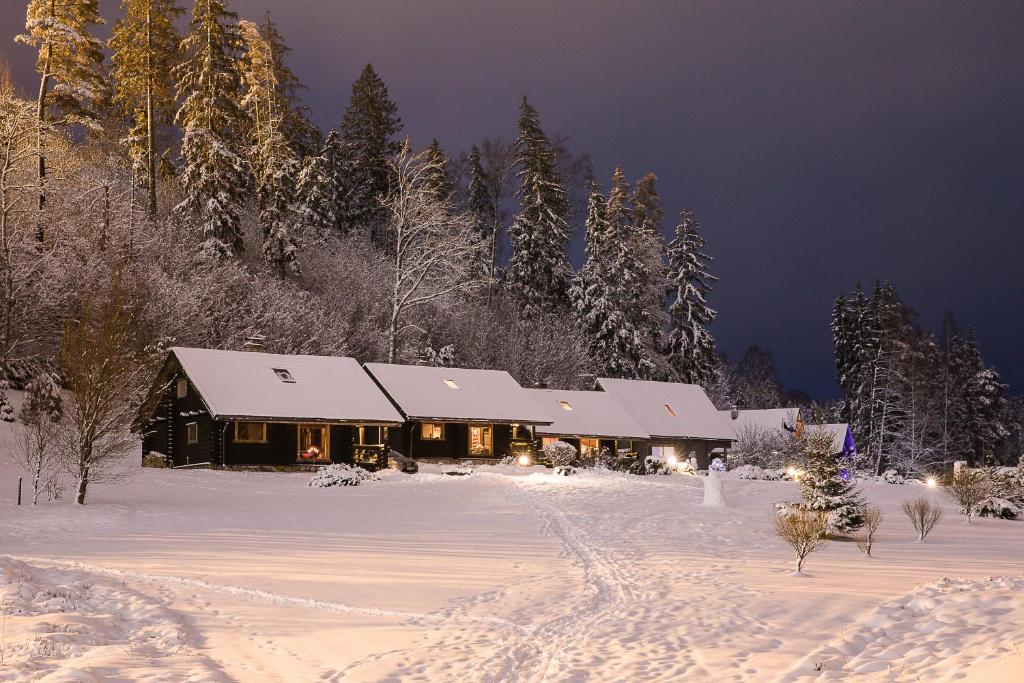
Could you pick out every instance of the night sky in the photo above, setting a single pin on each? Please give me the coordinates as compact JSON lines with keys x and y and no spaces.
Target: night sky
{"x":820,"y":144}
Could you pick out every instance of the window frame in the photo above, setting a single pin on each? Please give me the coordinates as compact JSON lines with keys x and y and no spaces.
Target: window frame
{"x":191,"y":427}
{"x":490,"y":445}
{"x":239,"y":439}
{"x":325,"y":453}
{"x":285,"y":375}
{"x":361,"y":435}
{"x":181,"y":388}
{"x":670,"y":410}
{"x":566,"y":405}
{"x":442,"y":432}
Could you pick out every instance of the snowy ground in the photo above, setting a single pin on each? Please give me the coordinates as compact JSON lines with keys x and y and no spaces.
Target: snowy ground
{"x":222,"y":576}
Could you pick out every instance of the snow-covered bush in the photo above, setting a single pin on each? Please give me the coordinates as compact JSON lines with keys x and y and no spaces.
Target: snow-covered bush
{"x":630,"y":465}
{"x":968,"y":488}
{"x":756,"y":473}
{"x":1001,"y":508}
{"x":340,"y":474}
{"x":655,"y":466}
{"x":805,"y":531}
{"x":766,"y":448}
{"x":560,"y":453}
{"x":1006,"y":495}
{"x":565,"y":470}
{"x":891,"y":476}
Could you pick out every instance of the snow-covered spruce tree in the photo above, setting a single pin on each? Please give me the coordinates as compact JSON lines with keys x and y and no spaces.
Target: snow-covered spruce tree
{"x":215,"y":174}
{"x":691,"y":348}
{"x":145,"y":50}
{"x":439,"y":176}
{"x":368,"y":134}
{"x":6,"y":407}
{"x":71,"y":78}
{"x":432,"y":245}
{"x":823,"y":487}
{"x":615,"y":345}
{"x":274,"y":165}
{"x":843,"y":345}
{"x":302,"y":135}
{"x":319,"y":188}
{"x":538,"y":270}
{"x":982,"y":404}
{"x":648,"y":219}
{"x":484,"y":212}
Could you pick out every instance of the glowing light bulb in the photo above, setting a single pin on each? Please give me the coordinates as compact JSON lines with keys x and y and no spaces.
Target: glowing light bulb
{"x":792,"y":471}
{"x":672,"y":460}
{"x":931,"y":483}
{"x":524,"y":460}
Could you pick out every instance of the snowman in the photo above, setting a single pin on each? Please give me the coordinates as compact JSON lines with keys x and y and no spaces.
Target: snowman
{"x":714,"y":484}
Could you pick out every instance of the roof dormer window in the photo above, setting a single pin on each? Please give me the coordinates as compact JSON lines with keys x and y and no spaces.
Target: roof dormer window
{"x":668,"y":409}
{"x":450,"y":383}
{"x":565,"y":405}
{"x":284,"y":375}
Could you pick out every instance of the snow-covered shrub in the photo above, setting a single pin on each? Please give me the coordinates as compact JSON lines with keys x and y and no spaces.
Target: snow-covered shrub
{"x":605,"y":459}
{"x":655,"y":466}
{"x":805,"y":531}
{"x":787,"y":508}
{"x":766,"y":448}
{"x":756,"y":473}
{"x":1001,"y":508}
{"x":560,"y":453}
{"x":891,"y":476}
{"x":630,"y":465}
{"x":340,"y":474}
{"x":968,"y":488}
{"x":565,"y":470}
{"x":923,"y":514}
{"x":508,"y":460}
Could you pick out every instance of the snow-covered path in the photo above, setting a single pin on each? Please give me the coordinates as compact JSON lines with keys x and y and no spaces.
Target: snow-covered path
{"x":501,"y":577}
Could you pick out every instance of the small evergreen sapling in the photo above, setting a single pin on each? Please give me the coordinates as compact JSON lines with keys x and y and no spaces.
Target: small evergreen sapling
{"x":824,"y":489}
{"x":6,"y":409}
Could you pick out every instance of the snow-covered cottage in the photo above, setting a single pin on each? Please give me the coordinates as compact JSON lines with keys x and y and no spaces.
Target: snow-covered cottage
{"x":764,"y":421}
{"x":241,"y":408}
{"x":589,"y":420}
{"x":458,"y":413}
{"x":679,"y":418}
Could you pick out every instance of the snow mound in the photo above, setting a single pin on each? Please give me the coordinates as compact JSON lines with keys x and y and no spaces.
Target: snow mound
{"x":340,"y":474}
{"x":66,"y":626}
{"x":938,"y":632}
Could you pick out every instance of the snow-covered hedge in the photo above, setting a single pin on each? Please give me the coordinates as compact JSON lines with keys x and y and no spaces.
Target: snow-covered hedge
{"x":756,"y":473}
{"x":340,"y":474}
{"x":891,"y":476}
{"x":993,"y":506}
{"x":565,"y":470}
{"x":560,"y":453}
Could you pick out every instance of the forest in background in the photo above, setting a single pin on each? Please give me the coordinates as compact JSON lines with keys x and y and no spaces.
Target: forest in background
{"x":175,"y":170}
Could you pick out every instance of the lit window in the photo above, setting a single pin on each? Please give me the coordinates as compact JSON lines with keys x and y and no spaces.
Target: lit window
{"x":481,"y":440}
{"x":192,"y":433}
{"x":548,"y":440}
{"x":668,"y":409}
{"x":589,"y":447}
{"x":450,"y":383}
{"x":250,"y":432}
{"x":565,"y":405}
{"x":663,"y":452}
{"x":432,"y":431}
{"x":182,"y":388}
{"x":284,"y":375}
{"x":314,"y":443}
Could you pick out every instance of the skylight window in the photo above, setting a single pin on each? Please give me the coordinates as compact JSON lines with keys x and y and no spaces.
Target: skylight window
{"x":450,"y":383}
{"x":565,"y":405}
{"x":668,"y":409}
{"x":284,"y":375}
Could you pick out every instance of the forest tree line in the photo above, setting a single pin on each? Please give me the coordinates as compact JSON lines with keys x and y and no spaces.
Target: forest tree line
{"x":175,"y":169}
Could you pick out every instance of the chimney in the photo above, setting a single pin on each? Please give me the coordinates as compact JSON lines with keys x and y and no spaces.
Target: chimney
{"x":735,"y":411}
{"x":254,"y":342}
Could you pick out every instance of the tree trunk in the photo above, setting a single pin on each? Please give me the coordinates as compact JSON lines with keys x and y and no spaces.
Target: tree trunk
{"x":150,"y":143}
{"x":37,"y":476}
{"x":84,"y":458}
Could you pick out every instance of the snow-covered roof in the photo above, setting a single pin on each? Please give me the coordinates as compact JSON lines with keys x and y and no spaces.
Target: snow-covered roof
{"x":780,"y":420}
{"x":838,"y":432}
{"x":668,"y":409}
{"x":585,"y":413}
{"x":457,"y":394}
{"x":246,"y":384}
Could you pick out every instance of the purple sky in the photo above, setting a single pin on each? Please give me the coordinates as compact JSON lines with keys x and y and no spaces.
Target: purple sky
{"x":819,"y":143}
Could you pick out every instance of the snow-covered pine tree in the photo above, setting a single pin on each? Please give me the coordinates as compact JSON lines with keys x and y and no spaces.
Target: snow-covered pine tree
{"x":6,"y":407}
{"x":319,"y":188}
{"x":982,"y":408}
{"x":614,"y":344}
{"x":302,"y":135}
{"x":691,"y":348}
{"x":145,"y":50}
{"x":440,"y":177}
{"x":275,"y":167}
{"x":71,"y":77}
{"x":823,"y":487}
{"x":483,"y":211}
{"x":648,"y":219}
{"x":538,"y":270}
{"x":215,"y":173}
{"x":42,"y":400}
{"x":369,"y":130}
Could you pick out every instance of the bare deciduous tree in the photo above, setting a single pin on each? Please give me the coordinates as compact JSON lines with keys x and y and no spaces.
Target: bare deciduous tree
{"x":804,"y":531}
{"x":923,"y":514}
{"x":968,"y":488}
{"x":873,"y":518}
{"x":103,"y":359}
{"x":431,"y":244}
